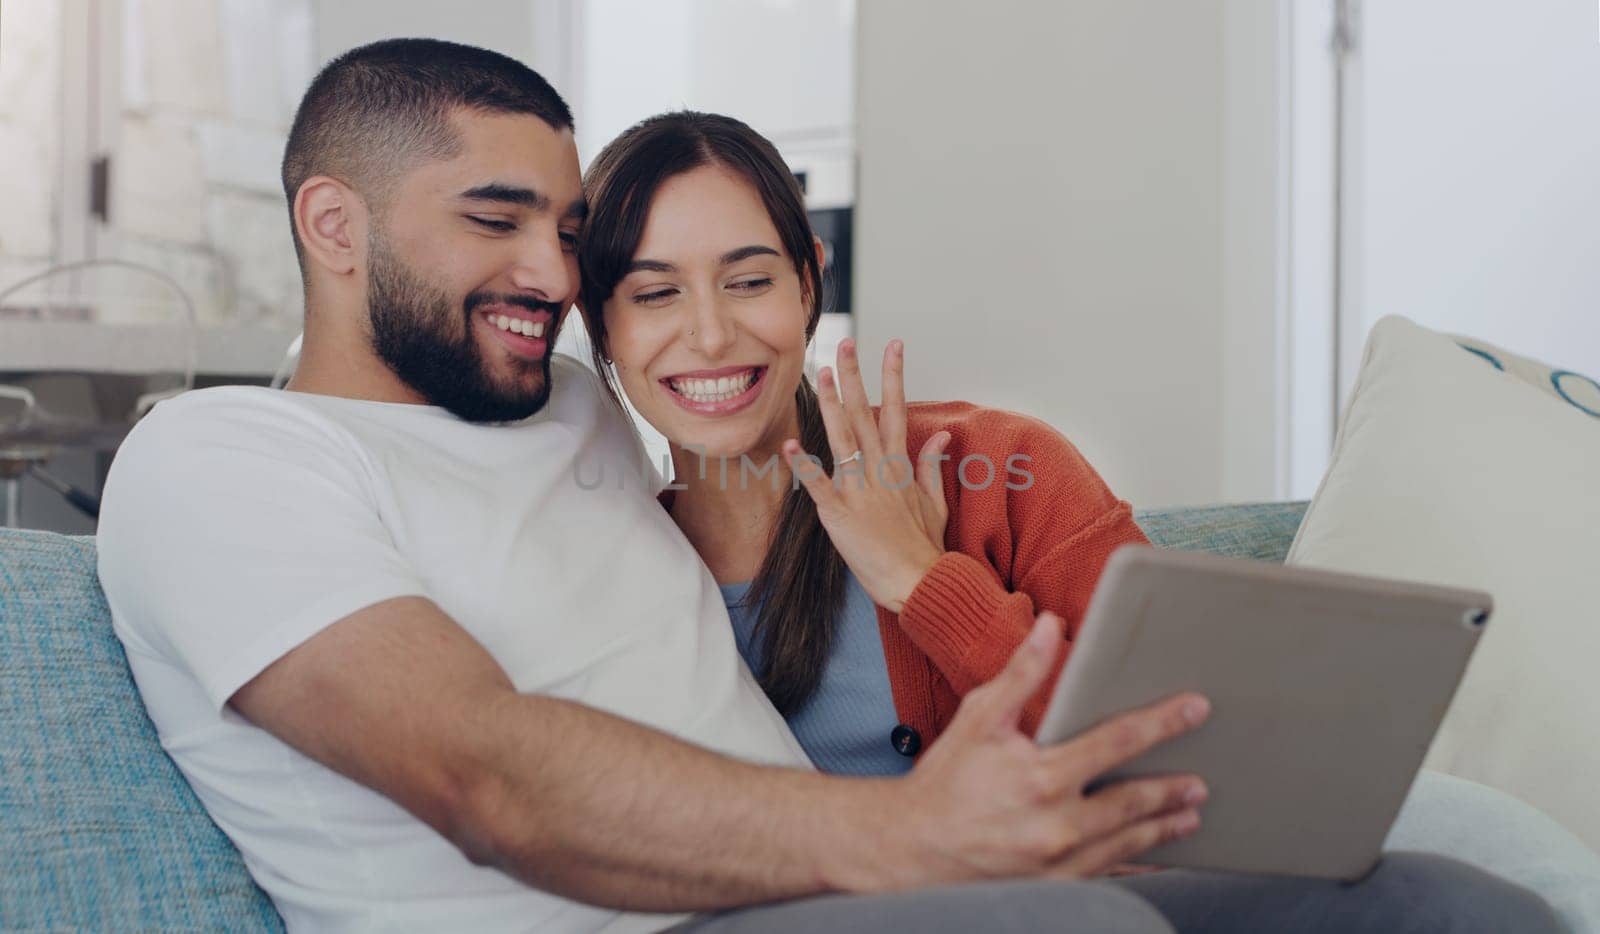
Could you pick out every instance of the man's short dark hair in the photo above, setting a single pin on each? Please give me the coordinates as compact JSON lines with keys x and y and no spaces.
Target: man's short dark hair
{"x":377,"y":110}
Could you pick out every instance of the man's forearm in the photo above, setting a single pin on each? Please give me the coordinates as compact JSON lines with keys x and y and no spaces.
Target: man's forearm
{"x":575,"y":801}
{"x":597,"y":808}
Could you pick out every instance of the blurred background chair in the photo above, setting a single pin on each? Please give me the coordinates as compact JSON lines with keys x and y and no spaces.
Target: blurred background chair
{"x":135,"y":322}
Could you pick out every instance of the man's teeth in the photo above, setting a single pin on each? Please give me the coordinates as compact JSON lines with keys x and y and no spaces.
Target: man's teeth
{"x":713,"y":390}
{"x":518,"y":325}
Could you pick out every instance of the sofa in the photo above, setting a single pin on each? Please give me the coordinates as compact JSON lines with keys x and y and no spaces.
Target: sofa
{"x":99,"y":830}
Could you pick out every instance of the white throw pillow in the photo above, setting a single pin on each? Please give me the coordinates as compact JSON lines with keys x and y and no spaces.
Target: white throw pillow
{"x":1449,"y":471}
{"x":1575,"y":389}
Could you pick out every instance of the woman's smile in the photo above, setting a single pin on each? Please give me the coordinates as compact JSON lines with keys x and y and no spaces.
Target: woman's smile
{"x":716,"y":392}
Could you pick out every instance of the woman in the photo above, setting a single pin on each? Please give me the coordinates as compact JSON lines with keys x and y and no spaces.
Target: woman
{"x":869,"y":604}
{"x":870,"y":598}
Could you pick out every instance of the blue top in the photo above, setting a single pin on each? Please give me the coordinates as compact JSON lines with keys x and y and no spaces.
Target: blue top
{"x":844,"y":727}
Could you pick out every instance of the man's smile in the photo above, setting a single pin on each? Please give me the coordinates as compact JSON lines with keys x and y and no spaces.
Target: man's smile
{"x":523,"y":332}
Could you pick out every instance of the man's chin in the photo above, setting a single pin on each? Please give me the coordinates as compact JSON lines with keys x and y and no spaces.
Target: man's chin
{"x":497,"y":413}
{"x":487,"y":399}
{"x":528,"y":393}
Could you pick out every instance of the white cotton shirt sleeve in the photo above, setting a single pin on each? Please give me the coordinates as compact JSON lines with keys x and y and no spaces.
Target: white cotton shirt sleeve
{"x":235,"y":527}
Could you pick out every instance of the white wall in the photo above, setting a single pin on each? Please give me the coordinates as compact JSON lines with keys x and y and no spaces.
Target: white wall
{"x":636,"y":61}
{"x":506,"y":26}
{"x":30,"y":131}
{"x":1041,"y":218}
{"x":1255,"y":325}
{"x":789,"y":64}
{"x":1311,"y":87}
{"x":1476,"y":175}
{"x":784,"y":67}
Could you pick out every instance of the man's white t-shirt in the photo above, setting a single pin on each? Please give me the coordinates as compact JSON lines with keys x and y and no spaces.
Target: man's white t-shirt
{"x":240,"y":521}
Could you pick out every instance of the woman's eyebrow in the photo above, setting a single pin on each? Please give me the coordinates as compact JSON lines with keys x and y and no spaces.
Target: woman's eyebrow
{"x":727,"y":259}
{"x":745,"y":252}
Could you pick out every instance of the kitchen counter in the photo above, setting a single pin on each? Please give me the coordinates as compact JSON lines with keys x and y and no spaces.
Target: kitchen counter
{"x":81,"y":347}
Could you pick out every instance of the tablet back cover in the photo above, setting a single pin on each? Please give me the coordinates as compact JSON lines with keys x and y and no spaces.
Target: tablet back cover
{"x":1326,"y":691}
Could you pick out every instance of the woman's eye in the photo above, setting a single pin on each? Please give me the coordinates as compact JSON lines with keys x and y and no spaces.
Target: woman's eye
{"x":751,"y":285}
{"x":654,"y":298}
{"x":494,"y":225}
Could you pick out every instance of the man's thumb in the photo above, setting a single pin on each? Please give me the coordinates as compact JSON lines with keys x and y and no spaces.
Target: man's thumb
{"x":1029,"y":667}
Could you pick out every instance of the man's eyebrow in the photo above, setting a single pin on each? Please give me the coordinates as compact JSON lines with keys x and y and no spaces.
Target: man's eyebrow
{"x":507,"y":194}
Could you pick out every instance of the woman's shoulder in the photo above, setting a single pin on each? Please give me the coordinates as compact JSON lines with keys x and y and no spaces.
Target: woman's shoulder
{"x":977,"y":427}
{"x":1046,"y":477}
{"x":1000,"y":437}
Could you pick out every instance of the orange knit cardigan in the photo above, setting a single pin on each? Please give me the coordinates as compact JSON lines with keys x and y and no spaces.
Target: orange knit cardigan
{"x":1010,"y":553}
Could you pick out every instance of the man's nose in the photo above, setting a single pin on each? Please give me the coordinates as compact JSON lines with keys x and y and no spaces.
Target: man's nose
{"x":542,"y":268}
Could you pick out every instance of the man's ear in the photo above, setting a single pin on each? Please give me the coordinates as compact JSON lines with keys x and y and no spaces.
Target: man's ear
{"x":331,"y":221}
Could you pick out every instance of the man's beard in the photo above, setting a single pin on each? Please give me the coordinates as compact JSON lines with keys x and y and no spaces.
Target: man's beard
{"x":414,"y":332}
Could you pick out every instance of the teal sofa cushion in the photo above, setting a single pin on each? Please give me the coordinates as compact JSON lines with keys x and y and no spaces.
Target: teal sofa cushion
{"x":1261,"y":531}
{"x":98,"y":829}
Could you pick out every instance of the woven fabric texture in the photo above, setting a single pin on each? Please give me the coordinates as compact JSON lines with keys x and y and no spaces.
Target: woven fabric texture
{"x":1262,"y":531}
{"x":98,"y":829}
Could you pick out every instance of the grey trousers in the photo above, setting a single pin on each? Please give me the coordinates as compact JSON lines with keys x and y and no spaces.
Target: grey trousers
{"x":1409,"y":893}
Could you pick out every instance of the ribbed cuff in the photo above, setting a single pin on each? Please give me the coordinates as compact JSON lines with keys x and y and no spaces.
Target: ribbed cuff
{"x":953,"y":607}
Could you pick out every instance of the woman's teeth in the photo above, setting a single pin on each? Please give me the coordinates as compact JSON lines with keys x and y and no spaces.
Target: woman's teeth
{"x":714,"y":390}
{"x":518,"y":325}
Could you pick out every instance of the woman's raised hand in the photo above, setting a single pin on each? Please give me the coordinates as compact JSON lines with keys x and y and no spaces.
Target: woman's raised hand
{"x":884,"y":513}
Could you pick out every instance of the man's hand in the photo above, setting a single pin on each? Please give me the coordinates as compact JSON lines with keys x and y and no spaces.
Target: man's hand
{"x":985,"y":801}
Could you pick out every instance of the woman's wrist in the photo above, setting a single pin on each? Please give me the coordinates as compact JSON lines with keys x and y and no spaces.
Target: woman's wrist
{"x":914,"y":570}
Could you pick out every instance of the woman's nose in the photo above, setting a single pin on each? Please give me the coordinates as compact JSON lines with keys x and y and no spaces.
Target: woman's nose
{"x":710,"y":330}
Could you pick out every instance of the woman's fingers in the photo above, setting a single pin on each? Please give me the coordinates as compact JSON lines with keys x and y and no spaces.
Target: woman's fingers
{"x":816,"y":481}
{"x":930,"y":471}
{"x":892,"y":415}
{"x":840,"y":435}
{"x":854,"y":394}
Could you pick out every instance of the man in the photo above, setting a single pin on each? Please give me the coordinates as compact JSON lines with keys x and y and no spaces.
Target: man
{"x":424,"y":681}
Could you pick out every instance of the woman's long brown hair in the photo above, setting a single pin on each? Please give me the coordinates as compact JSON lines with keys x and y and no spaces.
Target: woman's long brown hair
{"x":800,"y":586}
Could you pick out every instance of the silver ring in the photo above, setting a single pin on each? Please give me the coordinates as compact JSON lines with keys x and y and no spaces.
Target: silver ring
{"x":854,"y":457}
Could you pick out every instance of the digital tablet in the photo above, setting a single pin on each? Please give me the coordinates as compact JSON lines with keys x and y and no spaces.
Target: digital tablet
{"x":1326,"y":691}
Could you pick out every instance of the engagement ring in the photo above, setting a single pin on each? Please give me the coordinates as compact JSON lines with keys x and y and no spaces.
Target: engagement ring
{"x":854,"y":457}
